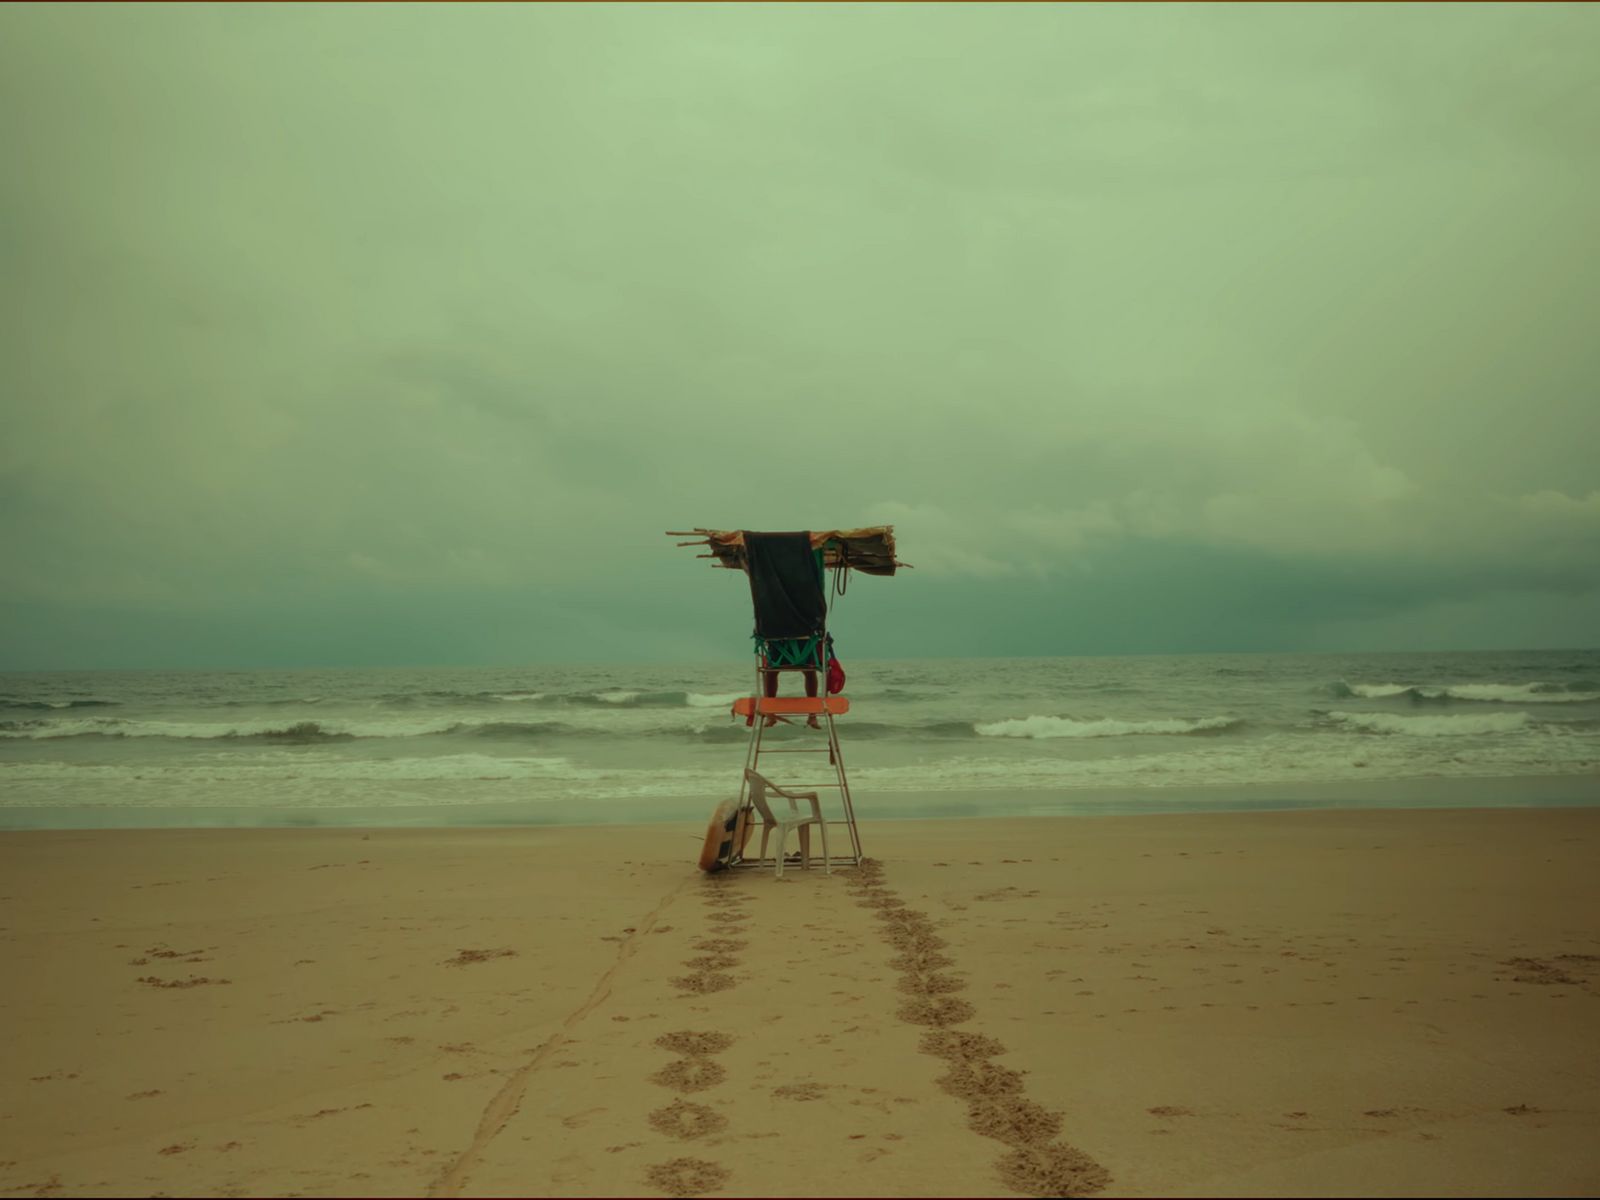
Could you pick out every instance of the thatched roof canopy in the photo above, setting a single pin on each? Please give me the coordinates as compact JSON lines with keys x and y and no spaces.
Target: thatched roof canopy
{"x":869,"y":549}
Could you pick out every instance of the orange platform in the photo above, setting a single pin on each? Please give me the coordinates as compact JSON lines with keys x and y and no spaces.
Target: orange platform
{"x":744,"y":706}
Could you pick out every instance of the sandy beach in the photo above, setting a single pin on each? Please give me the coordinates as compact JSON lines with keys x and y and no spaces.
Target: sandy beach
{"x":1314,"y":1003}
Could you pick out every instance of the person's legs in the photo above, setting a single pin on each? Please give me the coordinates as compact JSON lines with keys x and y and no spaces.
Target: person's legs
{"x":811,"y":690}
{"x":769,"y":682}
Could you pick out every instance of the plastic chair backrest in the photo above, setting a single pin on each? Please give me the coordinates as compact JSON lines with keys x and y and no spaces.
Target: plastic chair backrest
{"x":759,"y":784}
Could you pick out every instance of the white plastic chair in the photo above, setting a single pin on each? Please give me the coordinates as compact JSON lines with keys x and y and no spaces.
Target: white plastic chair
{"x":760,"y":785}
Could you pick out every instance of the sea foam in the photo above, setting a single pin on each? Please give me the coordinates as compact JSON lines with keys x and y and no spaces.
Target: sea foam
{"x":702,"y":700}
{"x":1493,"y":693}
{"x":1066,"y":727}
{"x":1468,"y":725}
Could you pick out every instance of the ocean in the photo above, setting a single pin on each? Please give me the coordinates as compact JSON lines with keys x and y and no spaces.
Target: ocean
{"x":972,"y":737}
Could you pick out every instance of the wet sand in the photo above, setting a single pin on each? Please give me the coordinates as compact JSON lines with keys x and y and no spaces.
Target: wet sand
{"x":1311,"y":1003}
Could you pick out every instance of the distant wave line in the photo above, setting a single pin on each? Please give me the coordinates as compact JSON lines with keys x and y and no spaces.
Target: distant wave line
{"x":1477,"y":693}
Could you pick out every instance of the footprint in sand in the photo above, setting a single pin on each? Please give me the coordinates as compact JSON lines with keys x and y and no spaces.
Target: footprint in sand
{"x":938,"y":1011}
{"x":709,"y":963}
{"x":690,"y":1075}
{"x":1012,"y":1120}
{"x":960,"y":1046}
{"x":687,"y":1177}
{"x":930,"y":985}
{"x":703,"y":982}
{"x":685,"y":1120}
{"x":1035,"y":1163}
{"x":799,"y":1091}
{"x":920,"y":961}
{"x":467,"y":957}
{"x":191,"y":982}
{"x":694,"y":1045}
{"x":1052,"y":1170}
{"x":968,"y":1080}
{"x":719,"y":945}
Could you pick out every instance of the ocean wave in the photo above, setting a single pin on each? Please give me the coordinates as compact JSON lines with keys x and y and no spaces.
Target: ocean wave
{"x":1369,"y":691}
{"x":48,"y":705}
{"x":456,"y":699}
{"x":272,"y":703}
{"x":850,"y":730}
{"x":1066,"y":727}
{"x":297,"y":733}
{"x":39,"y":730}
{"x":854,"y":730}
{"x":629,"y":698}
{"x":715,"y":735}
{"x":1483,"y":693}
{"x":1466,"y":725}
{"x":301,"y":733}
{"x":1523,"y":693}
{"x":410,"y":699}
{"x":477,"y":767}
{"x":710,"y":727}
{"x":514,"y":729}
{"x":717,"y":700}
{"x":423,"y":705}
{"x":605,"y":698}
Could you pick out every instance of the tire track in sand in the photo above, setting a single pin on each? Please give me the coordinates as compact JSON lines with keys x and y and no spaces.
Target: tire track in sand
{"x":503,"y":1105}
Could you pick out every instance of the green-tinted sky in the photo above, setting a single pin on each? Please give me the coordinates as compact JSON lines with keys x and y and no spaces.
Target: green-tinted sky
{"x":399,"y":334}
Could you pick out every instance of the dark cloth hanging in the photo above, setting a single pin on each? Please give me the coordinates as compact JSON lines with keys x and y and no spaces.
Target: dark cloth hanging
{"x":785,"y":584}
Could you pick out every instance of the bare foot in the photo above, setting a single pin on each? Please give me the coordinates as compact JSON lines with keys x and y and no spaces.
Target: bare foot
{"x":812,"y":721}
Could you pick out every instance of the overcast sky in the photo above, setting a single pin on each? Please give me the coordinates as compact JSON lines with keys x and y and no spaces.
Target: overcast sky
{"x":367,"y":335}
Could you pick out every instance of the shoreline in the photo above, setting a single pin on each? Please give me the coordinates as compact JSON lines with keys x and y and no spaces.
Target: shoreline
{"x":1423,"y":792}
{"x":1335,"y":1002}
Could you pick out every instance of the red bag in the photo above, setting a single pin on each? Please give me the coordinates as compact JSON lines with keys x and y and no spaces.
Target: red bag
{"x":835,"y":677}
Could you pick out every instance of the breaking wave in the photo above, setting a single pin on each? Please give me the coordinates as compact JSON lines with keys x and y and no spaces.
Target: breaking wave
{"x":445,"y":768}
{"x":513,"y":729}
{"x":605,"y":698}
{"x":48,"y":705}
{"x":1489,"y":693}
{"x":712,"y":729}
{"x":617,"y":698}
{"x":299,"y":733}
{"x":701,"y":700}
{"x":1066,"y":727}
{"x":1469,"y":725}
{"x":622,"y":698}
{"x":302,"y":733}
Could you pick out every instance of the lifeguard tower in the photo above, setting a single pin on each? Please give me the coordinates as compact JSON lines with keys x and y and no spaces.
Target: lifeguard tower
{"x":789,"y":591}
